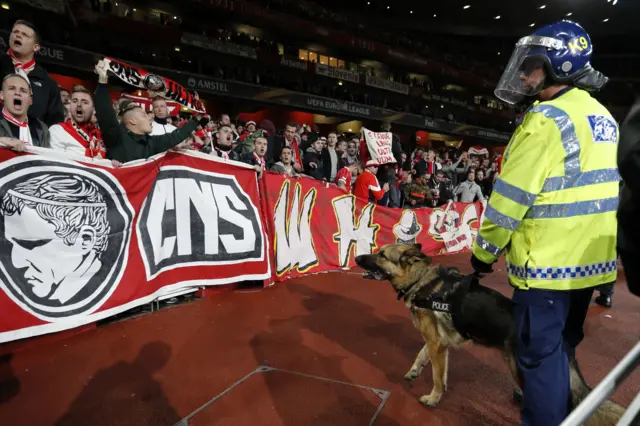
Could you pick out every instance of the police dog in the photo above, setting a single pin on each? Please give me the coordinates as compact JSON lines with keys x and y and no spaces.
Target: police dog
{"x":449,"y":309}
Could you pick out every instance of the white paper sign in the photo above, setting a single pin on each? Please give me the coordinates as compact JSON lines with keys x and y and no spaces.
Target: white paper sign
{"x":379,"y":144}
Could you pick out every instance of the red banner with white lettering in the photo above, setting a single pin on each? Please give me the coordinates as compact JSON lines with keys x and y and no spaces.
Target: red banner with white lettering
{"x":314,"y":228}
{"x":82,"y":241}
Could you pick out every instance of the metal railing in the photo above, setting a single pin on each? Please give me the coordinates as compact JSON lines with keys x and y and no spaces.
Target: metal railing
{"x":605,"y":389}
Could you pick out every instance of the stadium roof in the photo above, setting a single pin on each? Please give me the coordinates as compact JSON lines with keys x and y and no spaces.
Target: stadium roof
{"x":497,"y":17}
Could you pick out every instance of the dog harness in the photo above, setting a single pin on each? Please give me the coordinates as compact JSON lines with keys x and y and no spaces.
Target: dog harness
{"x":447,"y":299}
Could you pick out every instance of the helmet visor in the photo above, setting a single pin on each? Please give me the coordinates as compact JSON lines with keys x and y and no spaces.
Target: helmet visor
{"x":524,"y":75}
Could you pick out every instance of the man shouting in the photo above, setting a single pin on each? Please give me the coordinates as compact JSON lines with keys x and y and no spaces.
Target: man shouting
{"x":78,"y":135}
{"x":16,"y":130}
{"x":24,"y":42}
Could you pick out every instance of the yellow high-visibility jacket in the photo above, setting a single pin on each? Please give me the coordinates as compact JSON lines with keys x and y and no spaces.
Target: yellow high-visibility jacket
{"x":553,"y":208}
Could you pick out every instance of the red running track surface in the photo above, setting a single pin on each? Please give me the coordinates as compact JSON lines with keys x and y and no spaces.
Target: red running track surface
{"x":158,"y":369}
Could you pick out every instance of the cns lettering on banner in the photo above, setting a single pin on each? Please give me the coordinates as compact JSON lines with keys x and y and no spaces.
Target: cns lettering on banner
{"x":380,"y":146}
{"x":197,"y":218}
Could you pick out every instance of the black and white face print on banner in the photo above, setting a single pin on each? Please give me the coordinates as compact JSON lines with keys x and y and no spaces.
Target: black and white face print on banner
{"x":64,"y":236}
{"x":197,"y":218}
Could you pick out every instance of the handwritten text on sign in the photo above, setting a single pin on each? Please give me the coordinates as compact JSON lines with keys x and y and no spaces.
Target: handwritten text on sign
{"x":379,"y":144}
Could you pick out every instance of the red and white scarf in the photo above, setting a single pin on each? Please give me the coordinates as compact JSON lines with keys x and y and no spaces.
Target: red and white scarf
{"x":223,"y":154}
{"x":89,"y":137}
{"x":25,"y":133}
{"x":296,"y":151}
{"x":27,"y":67}
{"x":260,"y":161}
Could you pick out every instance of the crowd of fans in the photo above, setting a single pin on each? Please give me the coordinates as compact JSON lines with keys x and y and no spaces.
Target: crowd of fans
{"x":37,"y":112}
{"x":421,"y":178}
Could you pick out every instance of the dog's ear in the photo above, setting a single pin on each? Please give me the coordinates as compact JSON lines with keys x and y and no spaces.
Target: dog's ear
{"x":414,"y":255}
{"x":418,"y":246}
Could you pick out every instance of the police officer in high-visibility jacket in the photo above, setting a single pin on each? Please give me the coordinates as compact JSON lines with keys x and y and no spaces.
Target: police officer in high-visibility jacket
{"x":553,"y":209}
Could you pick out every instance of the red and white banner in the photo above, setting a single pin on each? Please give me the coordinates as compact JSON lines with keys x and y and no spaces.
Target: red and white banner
{"x":317,"y":229}
{"x":478,"y":150}
{"x":379,"y":144}
{"x":160,"y":86}
{"x":81,"y":241}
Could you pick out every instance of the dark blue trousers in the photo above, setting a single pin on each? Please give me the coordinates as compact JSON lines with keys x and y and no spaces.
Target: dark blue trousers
{"x":549,"y":326}
{"x":606,"y":289}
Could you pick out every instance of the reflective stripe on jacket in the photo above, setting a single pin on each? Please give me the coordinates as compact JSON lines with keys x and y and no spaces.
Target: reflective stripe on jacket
{"x":553,"y":208}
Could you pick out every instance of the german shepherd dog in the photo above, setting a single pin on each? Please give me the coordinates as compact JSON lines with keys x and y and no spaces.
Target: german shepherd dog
{"x":449,"y":309}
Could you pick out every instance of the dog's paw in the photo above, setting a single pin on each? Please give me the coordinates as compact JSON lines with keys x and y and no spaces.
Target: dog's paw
{"x":412,"y":375}
{"x":430,"y":400}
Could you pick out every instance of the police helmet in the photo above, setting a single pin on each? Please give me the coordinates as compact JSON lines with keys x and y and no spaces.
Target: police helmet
{"x":559,"y":53}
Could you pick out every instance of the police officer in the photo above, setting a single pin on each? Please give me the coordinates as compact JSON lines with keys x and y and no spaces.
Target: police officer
{"x":553,"y":209}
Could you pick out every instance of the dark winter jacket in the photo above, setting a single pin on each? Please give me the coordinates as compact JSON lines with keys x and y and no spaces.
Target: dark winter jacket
{"x":47,"y":105}
{"x":123,"y":145}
